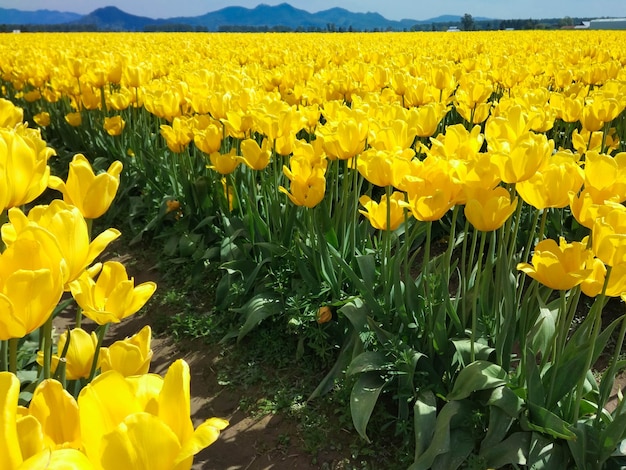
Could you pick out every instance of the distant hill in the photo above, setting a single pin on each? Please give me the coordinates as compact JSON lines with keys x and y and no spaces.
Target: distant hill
{"x":114,"y":19}
{"x":18,"y":17}
{"x":282,"y":16}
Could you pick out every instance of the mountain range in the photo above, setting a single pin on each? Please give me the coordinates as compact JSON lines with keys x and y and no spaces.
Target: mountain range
{"x":262,"y":16}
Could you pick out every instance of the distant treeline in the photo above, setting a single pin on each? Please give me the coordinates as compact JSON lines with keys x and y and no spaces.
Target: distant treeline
{"x":475,"y":25}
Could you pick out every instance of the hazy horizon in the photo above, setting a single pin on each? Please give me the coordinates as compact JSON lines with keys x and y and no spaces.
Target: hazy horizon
{"x":393,"y":10}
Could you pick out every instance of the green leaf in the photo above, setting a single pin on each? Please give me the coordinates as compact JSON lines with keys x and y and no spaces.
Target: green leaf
{"x":369,"y":361}
{"x":459,"y":411}
{"x":257,"y":309}
{"x":363,"y":399}
{"x":479,"y":375}
{"x":499,"y":424}
{"x":546,"y":453}
{"x":464,"y":349}
{"x":344,"y":358}
{"x":511,"y":451}
{"x":424,"y":419}
{"x":541,"y":335}
{"x":505,"y":399}
{"x":367,"y":268}
{"x":542,"y":420}
{"x":356,"y":312}
{"x":461,"y":446}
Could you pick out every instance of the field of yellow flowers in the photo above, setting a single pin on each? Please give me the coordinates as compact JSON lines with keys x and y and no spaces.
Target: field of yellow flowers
{"x":440,"y":217}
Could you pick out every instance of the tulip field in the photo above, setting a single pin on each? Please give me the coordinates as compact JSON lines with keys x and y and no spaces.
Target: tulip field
{"x":438,"y":217}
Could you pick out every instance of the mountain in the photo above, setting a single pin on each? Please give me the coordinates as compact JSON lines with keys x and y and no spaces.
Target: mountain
{"x":283,"y":16}
{"x":19,"y":17}
{"x":114,"y":19}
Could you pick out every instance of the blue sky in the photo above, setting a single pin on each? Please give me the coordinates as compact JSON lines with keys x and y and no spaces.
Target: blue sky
{"x":391,"y":9}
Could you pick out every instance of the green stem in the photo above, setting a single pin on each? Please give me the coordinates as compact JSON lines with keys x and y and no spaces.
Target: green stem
{"x":13,"y":343}
{"x":559,"y":339}
{"x":4,"y":355}
{"x":610,"y":373}
{"x":102,"y":329}
{"x":483,"y":238}
{"x":596,"y":311}
{"x":46,"y":333}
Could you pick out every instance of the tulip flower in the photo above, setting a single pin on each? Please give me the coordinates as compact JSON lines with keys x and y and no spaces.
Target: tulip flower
{"x":24,"y":169}
{"x":594,"y":283}
{"x":113,"y":296}
{"x":487,"y":209}
{"x":130,"y":356}
{"x":609,"y":236}
{"x":10,"y":115}
{"x":92,"y":194}
{"x":346,"y":140}
{"x":380,"y":167}
{"x":42,"y":119}
{"x":254,"y":156}
{"x":74,"y":119}
{"x":308,"y":183}
{"x":120,"y":415}
{"x":114,"y":125}
{"x":224,"y":163}
{"x":57,"y":413}
{"x":552,"y":184}
{"x":177,"y":136}
{"x":605,"y":176}
{"x":31,"y":285}
{"x":525,"y":156}
{"x":68,"y":228}
{"x":59,"y":459}
{"x":376,"y":213}
{"x":80,"y":353}
{"x":208,"y":139}
{"x":559,"y":266}
{"x":10,"y":452}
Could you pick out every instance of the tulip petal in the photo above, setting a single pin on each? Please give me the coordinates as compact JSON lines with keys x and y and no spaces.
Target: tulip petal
{"x":141,"y":442}
{"x":60,"y":459}
{"x":204,"y":435}
{"x":57,"y":412}
{"x":30,"y":436}
{"x":174,"y":400}
{"x":10,"y":454}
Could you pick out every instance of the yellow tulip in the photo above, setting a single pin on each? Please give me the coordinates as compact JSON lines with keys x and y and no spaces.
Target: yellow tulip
{"x":346,"y":140}
{"x":42,"y":119}
{"x":114,"y":125}
{"x":380,"y":167}
{"x":31,"y":285}
{"x":616,"y":286}
{"x":59,"y":459}
{"x":80,"y":353}
{"x":57,"y":413}
{"x":605,"y":176}
{"x":120,"y":415}
{"x":559,"y":266}
{"x":376,"y":213}
{"x":178,"y":135}
{"x":551,"y":185}
{"x":10,"y":115}
{"x":10,"y":453}
{"x":24,"y":169}
{"x":224,"y":163}
{"x":426,"y":118}
{"x":488,"y":209}
{"x":113,"y":296}
{"x":525,"y":157}
{"x":68,"y":228}
{"x":130,"y":356}
{"x":92,"y":194}
{"x":308,"y":183}
{"x":254,"y":156}
{"x":74,"y":119}
{"x":208,"y":139}
{"x":609,"y":236}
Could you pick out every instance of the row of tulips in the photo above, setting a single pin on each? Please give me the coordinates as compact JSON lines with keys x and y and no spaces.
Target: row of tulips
{"x":497,"y":142}
{"x":90,"y":407}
